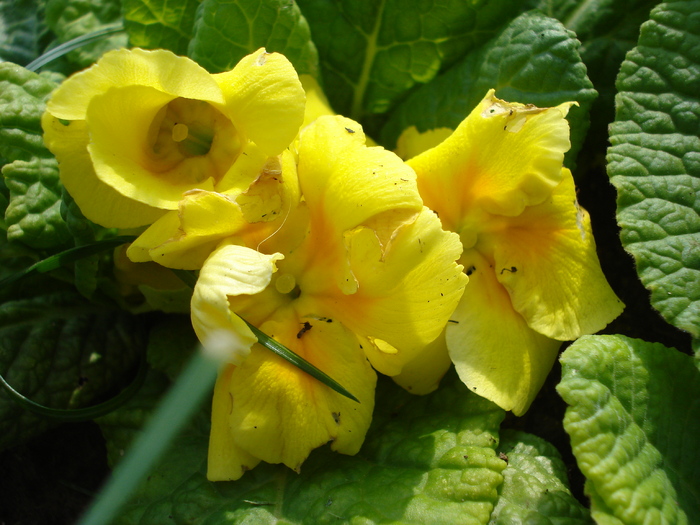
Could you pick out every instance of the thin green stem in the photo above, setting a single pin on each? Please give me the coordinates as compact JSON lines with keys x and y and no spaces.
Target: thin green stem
{"x":69,"y":46}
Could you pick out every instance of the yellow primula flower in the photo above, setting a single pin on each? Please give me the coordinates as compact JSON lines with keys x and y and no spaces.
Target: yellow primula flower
{"x":140,"y":128}
{"x":369,"y":280}
{"x":535,"y":278}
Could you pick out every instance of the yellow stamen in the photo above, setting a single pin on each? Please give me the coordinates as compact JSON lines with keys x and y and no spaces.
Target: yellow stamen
{"x":180,"y":132}
{"x":285,"y":283}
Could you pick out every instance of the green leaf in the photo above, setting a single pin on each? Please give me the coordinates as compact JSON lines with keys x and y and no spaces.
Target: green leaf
{"x":426,"y":460}
{"x":170,"y":344}
{"x":83,"y":232}
{"x":23,"y":96}
{"x":654,"y":160}
{"x":534,"y":60}
{"x":70,"y":19}
{"x":63,"y":352}
{"x":607,"y":29}
{"x":372,"y":52}
{"x":33,"y":215}
{"x":227,"y":30}
{"x":21,"y":26}
{"x":535,"y":486}
{"x":155,"y":24}
{"x":634,"y":422}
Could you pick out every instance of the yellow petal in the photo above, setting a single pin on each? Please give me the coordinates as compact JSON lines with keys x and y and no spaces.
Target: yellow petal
{"x":99,"y":202}
{"x":346,"y":183}
{"x":134,"y":147}
{"x":280,"y":413}
{"x":423,"y":373}
{"x":501,"y":158}
{"x":226,"y":461}
{"x":405,"y":295}
{"x":159,"y":69}
{"x":265,"y":99}
{"x":231,"y":270}
{"x":547,"y":261}
{"x":317,"y":104}
{"x":412,"y":142}
{"x":494,"y":351}
{"x":184,"y":239}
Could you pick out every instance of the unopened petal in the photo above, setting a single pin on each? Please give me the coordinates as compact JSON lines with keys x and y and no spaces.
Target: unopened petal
{"x":412,"y":142}
{"x":494,"y":351}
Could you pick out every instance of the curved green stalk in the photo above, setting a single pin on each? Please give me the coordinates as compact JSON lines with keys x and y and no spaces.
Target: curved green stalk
{"x":80,"y":414}
{"x":69,"y":46}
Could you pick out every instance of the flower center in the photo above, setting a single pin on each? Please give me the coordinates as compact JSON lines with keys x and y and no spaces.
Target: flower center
{"x":185,"y":130}
{"x":286,"y":284}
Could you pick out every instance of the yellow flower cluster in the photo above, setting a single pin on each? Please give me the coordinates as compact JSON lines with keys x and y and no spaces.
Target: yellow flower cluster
{"x":325,"y":243}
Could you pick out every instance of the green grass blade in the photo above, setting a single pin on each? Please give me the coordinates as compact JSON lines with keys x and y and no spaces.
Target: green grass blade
{"x":69,"y":46}
{"x":281,"y":350}
{"x":67,"y":256}
{"x":176,"y":409}
{"x":80,"y":414}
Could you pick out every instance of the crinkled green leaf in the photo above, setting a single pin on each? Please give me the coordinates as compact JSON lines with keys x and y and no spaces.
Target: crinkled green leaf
{"x":21,"y":26}
{"x":23,"y":96}
{"x":634,"y":423}
{"x":534,"y":60}
{"x":33,"y":215}
{"x":654,"y":161}
{"x":372,"y":52}
{"x":70,"y":19}
{"x":426,"y":460}
{"x":227,"y":30}
{"x":155,"y":24}
{"x":535,"y":486}
{"x":63,"y":352}
{"x":607,"y":29}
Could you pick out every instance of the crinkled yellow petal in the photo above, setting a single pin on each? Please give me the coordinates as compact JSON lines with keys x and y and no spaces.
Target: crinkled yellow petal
{"x":231,"y":270}
{"x":423,"y":373}
{"x":405,"y":295}
{"x":280,"y":413}
{"x":184,"y":239}
{"x":412,"y":142}
{"x":346,"y":183}
{"x":126,"y":157}
{"x":227,"y":461}
{"x":274,"y":191}
{"x":99,"y":202}
{"x":265,"y":99}
{"x":547,"y":261}
{"x":159,"y":69}
{"x":494,"y":351}
{"x":501,"y":158}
